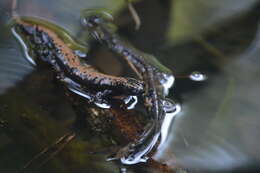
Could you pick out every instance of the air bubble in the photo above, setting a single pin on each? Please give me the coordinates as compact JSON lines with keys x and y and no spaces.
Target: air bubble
{"x":197,"y":76}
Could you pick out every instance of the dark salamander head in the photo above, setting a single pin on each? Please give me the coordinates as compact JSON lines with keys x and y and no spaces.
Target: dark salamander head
{"x":93,"y":18}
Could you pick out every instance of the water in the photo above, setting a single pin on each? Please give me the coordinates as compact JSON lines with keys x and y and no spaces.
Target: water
{"x":171,"y":109}
{"x":24,"y":46}
{"x":139,"y":156}
{"x":197,"y":76}
{"x":216,"y":129}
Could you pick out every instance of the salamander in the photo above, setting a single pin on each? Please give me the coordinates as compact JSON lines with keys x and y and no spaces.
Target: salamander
{"x":157,"y":81}
{"x":49,"y":45}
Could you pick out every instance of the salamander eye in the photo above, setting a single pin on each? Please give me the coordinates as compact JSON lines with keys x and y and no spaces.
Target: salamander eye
{"x":93,"y":17}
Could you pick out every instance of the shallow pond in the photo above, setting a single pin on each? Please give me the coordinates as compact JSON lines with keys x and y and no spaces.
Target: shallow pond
{"x":218,"y":127}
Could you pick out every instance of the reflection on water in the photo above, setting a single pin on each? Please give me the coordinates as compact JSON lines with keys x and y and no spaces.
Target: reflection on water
{"x":216,"y":130}
{"x":24,"y":47}
{"x":13,"y":66}
{"x":171,"y":109}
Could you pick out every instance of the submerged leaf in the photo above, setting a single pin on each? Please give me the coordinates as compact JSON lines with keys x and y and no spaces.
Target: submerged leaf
{"x":189,"y":18}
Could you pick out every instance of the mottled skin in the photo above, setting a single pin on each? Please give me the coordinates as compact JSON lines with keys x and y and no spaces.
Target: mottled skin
{"x":49,"y":47}
{"x":123,"y":126}
{"x":146,"y":67}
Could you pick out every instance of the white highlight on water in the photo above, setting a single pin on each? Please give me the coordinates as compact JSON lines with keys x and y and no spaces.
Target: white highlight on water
{"x":75,"y":87}
{"x":80,"y":93}
{"x":167,"y":123}
{"x":197,"y":76}
{"x":168,"y":84}
{"x":138,"y":157}
{"x":132,"y":105}
{"x":24,"y":46}
{"x":103,"y":105}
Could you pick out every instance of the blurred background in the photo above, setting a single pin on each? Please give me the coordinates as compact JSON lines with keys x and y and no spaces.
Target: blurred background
{"x":218,"y":128}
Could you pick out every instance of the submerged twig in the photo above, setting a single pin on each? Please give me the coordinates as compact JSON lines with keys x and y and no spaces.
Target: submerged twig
{"x":14,"y":8}
{"x":134,"y":14}
{"x":65,"y":139}
{"x":211,"y":49}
